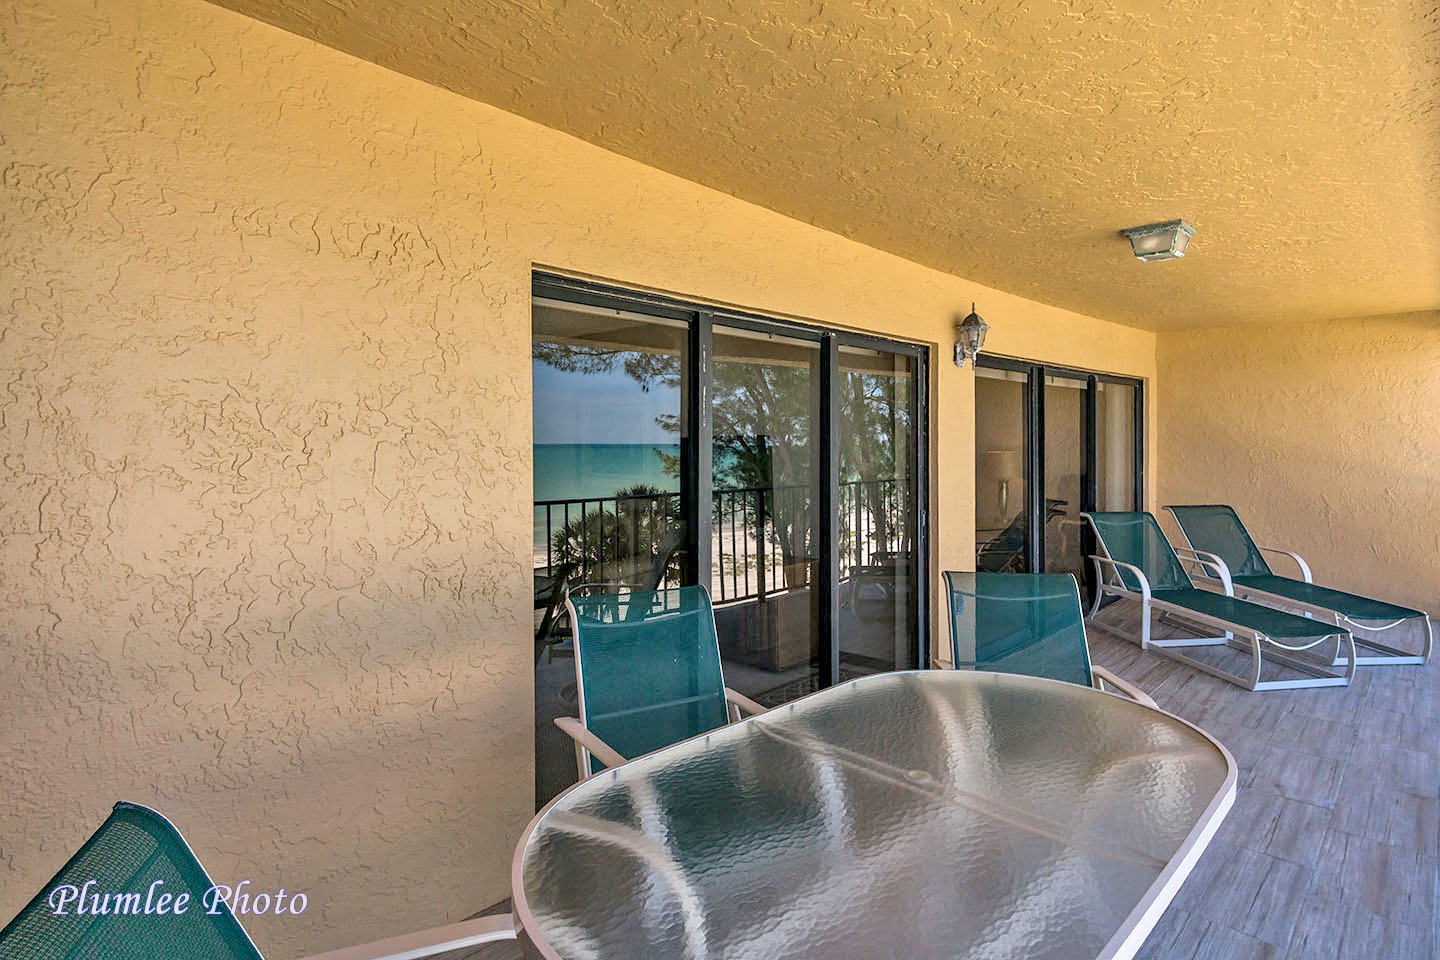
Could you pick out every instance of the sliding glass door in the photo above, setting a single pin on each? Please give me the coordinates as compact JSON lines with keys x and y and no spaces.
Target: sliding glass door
{"x":1002,"y":484}
{"x":1051,"y":443}
{"x":779,"y":464}
{"x":608,"y":435}
{"x":1065,"y":480}
{"x":764,"y":563}
{"x":610,"y":428}
{"x":1117,"y":445}
{"x":877,"y":417}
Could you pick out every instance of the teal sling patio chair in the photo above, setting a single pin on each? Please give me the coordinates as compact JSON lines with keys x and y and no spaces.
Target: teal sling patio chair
{"x":1025,"y":623}
{"x":1216,"y":533}
{"x":137,"y":867}
{"x":1136,"y":562}
{"x":647,"y":671}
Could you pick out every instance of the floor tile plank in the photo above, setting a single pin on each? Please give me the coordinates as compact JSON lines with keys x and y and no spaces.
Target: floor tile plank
{"x":1331,"y":849}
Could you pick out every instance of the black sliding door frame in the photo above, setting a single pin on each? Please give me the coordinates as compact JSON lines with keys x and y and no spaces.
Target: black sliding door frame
{"x":827,"y":519}
{"x":1035,"y":377}
{"x":697,"y":451}
{"x":697,"y":435}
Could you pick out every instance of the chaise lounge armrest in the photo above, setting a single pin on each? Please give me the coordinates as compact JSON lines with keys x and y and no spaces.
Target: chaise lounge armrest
{"x":1139,"y":574}
{"x":1299,"y":560}
{"x":1211,"y":562}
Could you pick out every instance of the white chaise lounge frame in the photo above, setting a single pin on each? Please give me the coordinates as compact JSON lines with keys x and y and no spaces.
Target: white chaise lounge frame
{"x":1391,"y":656}
{"x":1108,"y":583}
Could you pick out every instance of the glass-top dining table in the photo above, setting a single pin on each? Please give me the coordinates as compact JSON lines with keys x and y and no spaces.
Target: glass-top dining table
{"x":922,"y":814}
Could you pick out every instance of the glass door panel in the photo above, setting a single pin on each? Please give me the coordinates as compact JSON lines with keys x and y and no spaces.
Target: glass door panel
{"x":1065,"y":480}
{"x":678,"y":444}
{"x":1115,"y":446}
{"x":607,"y":415}
{"x":764,"y":545}
{"x":876,"y":404}
{"x":1000,"y":489}
{"x":1074,"y":432}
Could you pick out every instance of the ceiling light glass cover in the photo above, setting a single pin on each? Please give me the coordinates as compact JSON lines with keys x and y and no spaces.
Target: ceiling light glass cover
{"x":1160,"y":241}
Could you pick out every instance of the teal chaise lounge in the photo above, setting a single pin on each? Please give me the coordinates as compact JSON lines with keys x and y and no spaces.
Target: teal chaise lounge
{"x":1217,"y":531}
{"x":1136,"y":562}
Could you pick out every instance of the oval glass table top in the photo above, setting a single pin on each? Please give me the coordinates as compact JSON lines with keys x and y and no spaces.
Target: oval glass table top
{"x":909,"y":815}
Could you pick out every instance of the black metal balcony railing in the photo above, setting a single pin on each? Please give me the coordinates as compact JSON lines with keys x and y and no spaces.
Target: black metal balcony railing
{"x":763,"y":537}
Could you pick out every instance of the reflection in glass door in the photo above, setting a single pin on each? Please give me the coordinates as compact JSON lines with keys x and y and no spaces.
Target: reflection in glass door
{"x":780,"y":465}
{"x":608,"y":509}
{"x":1049,"y":445}
{"x":764,"y":562}
{"x":876,"y":437}
{"x":607,"y":445}
{"x":1001,"y":488}
{"x":1065,"y":480}
{"x":1115,"y":450}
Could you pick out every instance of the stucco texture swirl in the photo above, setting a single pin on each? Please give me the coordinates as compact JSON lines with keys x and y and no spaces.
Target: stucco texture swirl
{"x":256,"y":569}
{"x":1324,"y":436}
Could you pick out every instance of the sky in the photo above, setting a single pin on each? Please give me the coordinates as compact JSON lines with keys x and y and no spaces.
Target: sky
{"x":599,"y":408}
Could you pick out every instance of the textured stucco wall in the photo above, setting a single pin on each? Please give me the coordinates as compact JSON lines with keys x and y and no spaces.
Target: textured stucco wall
{"x":1324,"y":436}
{"x":265,"y":441}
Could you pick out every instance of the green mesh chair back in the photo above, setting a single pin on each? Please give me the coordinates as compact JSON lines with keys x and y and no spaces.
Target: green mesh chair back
{"x":133,"y":849}
{"x":1026,"y":623}
{"x":1215,"y":528}
{"x":647,"y":664}
{"x":1136,"y":539}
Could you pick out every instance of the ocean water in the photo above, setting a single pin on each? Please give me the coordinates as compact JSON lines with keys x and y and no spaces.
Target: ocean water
{"x":570,"y":471}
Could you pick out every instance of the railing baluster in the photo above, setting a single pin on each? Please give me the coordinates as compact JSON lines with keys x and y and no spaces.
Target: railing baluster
{"x":745,"y":562}
{"x":760,"y":527}
{"x":566,"y":557}
{"x":549,"y":545}
{"x":717,"y":505}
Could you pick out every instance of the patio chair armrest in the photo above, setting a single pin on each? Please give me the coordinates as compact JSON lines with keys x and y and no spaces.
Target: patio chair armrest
{"x":1210,"y":561}
{"x":1108,"y":679}
{"x":598,"y":748}
{"x":429,"y":943}
{"x":743,"y":705}
{"x":1299,"y":560}
{"x":1139,"y":574}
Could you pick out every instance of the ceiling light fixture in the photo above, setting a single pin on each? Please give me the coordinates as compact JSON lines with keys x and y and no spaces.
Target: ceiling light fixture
{"x":969,"y":337}
{"x":1160,"y":241}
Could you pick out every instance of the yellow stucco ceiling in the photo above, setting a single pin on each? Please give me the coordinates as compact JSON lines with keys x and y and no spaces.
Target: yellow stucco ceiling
{"x":1006,"y":141}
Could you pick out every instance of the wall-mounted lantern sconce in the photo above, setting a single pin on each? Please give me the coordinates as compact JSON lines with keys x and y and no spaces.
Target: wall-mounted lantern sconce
{"x":1160,"y":241}
{"x":969,"y":337}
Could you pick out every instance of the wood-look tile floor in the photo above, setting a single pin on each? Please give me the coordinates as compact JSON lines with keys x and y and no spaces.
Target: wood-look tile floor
{"x":1333,"y":847}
